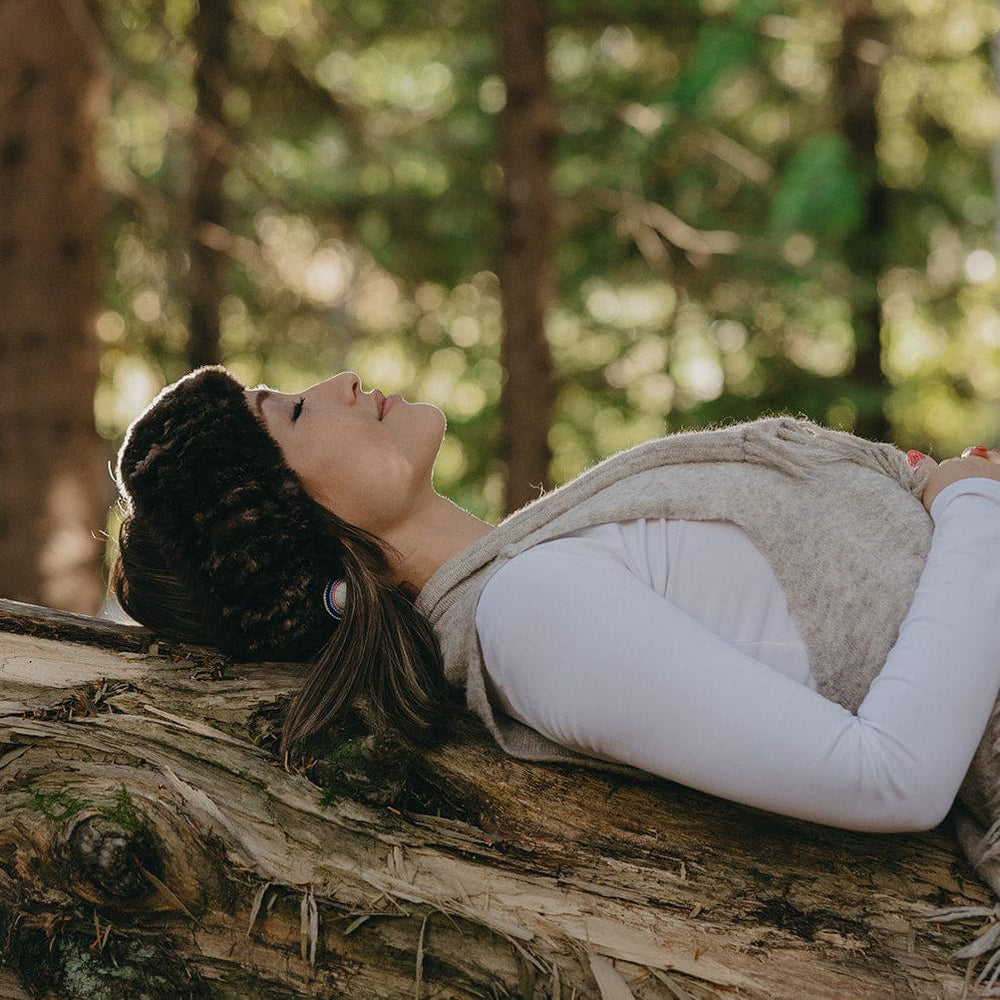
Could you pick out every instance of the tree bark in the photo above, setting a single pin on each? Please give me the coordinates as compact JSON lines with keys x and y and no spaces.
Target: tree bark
{"x":151,"y":845}
{"x":528,"y":127}
{"x":856,"y":95}
{"x":995,"y":147}
{"x":210,"y":155}
{"x":54,"y":490}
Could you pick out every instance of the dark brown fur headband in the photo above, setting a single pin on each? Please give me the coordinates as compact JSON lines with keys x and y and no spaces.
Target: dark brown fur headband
{"x":206,"y":482}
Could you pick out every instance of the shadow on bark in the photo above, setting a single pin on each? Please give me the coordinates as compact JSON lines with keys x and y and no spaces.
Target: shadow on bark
{"x":153,"y":845}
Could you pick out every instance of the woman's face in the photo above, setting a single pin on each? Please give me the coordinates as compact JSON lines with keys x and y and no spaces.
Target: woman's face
{"x":365,"y":457}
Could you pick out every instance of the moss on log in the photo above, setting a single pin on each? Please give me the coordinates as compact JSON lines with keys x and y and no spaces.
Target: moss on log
{"x":152,"y":845}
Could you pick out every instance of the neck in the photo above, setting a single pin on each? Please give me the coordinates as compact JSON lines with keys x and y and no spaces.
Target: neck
{"x":440,"y":530}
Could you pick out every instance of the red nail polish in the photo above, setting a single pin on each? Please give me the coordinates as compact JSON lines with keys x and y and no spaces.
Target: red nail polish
{"x":977,"y":450}
{"x":915,"y":457}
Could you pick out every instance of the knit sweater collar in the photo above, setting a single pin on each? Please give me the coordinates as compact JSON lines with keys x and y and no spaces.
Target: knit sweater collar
{"x":786,"y":444}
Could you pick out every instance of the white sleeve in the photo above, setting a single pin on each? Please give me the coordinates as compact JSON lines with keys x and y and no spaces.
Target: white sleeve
{"x":590,"y":657}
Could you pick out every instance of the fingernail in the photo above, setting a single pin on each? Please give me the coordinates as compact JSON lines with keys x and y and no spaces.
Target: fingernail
{"x":979,"y":450}
{"x":915,"y":457}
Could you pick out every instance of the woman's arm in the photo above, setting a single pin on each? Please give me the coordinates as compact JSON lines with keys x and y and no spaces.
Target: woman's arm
{"x":595,"y":660}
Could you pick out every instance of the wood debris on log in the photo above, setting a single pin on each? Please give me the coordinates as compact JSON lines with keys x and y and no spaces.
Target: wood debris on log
{"x":152,"y":845}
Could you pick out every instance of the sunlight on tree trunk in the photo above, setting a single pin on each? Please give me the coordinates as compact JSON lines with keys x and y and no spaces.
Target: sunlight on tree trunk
{"x":53,"y":487}
{"x":209,"y":163}
{"x":995,"y":150}
{"x":527,"y":139}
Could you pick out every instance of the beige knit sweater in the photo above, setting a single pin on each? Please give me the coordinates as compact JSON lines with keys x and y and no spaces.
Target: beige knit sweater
{"x":838,"y":518}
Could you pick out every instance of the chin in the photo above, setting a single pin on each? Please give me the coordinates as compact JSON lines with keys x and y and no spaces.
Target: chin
{"x":423,"y":426}
{"x":430,"y":416}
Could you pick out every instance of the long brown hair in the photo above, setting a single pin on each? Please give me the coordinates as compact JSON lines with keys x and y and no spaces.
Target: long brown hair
{"x":383,"y":651}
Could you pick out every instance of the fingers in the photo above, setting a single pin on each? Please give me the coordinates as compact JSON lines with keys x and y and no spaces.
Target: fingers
{"x":916,"y":458}
{"x":976,"y":461}
{"x":981,"y":451}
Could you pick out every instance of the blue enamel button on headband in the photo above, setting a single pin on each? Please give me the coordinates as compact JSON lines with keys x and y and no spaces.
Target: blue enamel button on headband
{"x":335,"y":598}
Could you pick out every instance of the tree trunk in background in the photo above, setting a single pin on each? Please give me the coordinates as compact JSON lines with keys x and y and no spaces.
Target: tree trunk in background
{"x":857,"y":89}
{"x":209,"y":163}
{"x":152,"y":846}
{"x":54,"y":488}
{"x":528,"y":129}
{"x":995,"y":149}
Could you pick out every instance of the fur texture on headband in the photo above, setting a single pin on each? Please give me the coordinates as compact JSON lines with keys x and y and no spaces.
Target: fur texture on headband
{"x":204,"y":479}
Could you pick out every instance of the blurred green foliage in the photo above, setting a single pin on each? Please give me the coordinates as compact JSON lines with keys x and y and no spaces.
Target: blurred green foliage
{"x":704,"y":200}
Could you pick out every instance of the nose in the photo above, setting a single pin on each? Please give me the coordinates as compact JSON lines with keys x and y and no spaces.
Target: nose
{"x":342,"y":388}
{"x":349,"y":385}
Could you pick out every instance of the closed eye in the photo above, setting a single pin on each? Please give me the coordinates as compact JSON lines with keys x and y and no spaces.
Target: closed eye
{"x":297,"y":409}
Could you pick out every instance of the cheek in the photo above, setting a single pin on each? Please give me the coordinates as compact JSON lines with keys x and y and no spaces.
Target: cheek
{"x":356,"y":482}
{"x":317,"y":467}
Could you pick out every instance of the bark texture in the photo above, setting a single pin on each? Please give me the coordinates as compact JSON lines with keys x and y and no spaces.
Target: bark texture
{"x":528,"y":128}
{"x":54,"y":490}
{"x":210,"y":155}
{"x":151,"y":845}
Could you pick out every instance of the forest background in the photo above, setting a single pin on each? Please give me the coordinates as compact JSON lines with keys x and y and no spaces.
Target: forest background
{"x":573,"y":225}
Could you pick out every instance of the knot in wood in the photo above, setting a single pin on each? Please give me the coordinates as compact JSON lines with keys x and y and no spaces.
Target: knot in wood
{"x":113,"y":858}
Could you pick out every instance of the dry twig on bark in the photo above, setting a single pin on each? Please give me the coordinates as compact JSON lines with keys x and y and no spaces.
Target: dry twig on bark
{"x":152,"y":845}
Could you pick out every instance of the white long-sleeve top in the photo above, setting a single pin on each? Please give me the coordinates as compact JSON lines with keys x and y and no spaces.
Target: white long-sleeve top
{"x":668,"y":645}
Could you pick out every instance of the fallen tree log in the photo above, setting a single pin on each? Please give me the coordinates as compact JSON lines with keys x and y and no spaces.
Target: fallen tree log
{"x":152,"y":845}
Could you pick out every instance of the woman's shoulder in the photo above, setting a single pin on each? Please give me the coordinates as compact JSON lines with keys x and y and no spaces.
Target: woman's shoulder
{"x":535,"y":577}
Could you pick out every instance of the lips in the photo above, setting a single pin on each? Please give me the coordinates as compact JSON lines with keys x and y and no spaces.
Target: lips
{"x":383,"y":403}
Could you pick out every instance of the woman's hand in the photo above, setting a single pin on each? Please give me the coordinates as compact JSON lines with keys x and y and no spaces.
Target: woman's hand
{"x":975,"y":463}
